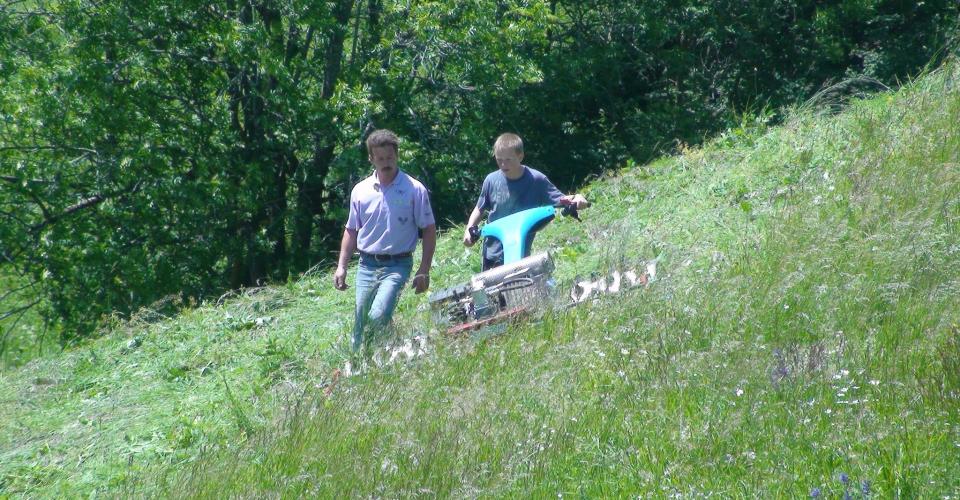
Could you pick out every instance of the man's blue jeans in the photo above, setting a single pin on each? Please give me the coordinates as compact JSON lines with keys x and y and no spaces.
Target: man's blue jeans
{"x":378,"y":286}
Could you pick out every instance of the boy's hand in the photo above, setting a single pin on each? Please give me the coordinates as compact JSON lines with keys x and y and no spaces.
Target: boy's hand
{"x":575,"y":199}
{"x":468,"y":239}
{"x":421,"y":282}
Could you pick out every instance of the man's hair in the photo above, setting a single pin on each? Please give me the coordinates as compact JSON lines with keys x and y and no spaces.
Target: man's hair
{"x":508,"y":141}
{"x":382,"y":137}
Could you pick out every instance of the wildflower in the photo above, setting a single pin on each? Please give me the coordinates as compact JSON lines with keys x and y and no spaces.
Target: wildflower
{"x":865,"y":487}
{"x":815,"y":493}
{"x":739,"y":392}
{"x":844,"y":478}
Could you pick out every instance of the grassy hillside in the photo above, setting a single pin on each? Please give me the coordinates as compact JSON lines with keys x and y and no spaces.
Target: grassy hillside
{"x":802,"y":337}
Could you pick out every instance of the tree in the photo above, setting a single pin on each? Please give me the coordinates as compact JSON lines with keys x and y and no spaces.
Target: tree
{"x":185,"y":147}
{"x":170,"y":147}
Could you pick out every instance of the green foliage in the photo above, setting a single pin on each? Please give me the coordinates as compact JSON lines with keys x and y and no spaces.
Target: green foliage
{"x":178,"y":148}
{"x":634,"y":79}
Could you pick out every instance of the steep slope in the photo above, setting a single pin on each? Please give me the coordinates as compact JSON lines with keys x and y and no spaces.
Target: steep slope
{"x":802,"y":337}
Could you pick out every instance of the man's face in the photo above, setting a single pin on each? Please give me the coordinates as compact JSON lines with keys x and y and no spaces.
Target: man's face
{"x":509,"y":162}
{"x":384,"y":159}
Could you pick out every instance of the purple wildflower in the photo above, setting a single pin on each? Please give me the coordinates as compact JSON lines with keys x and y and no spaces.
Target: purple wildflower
{"x":815,"y":493}
{"x":844,"y":478}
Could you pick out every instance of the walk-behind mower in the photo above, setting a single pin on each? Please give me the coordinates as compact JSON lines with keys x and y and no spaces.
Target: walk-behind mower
{"x":523,"y":284}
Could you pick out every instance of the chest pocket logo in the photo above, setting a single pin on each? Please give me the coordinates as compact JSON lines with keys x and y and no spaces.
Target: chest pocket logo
{"x":402,"y":208}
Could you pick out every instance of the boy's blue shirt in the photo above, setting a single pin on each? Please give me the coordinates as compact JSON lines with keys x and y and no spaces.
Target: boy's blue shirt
{"x":502,"y":197}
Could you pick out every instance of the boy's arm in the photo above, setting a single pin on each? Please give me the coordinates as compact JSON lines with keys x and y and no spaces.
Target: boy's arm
{"x":474,"y":219}
{"x":561,"y":200}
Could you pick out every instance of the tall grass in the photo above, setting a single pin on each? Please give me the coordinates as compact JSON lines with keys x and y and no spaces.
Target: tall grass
{"x":801,"y":339}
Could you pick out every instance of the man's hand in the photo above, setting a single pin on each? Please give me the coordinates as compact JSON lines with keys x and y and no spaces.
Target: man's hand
{"x":421,"y":282}
{"x":340,"y":278}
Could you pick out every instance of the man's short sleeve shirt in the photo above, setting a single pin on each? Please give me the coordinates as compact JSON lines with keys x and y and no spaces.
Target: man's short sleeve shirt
{"x":387,"y":218}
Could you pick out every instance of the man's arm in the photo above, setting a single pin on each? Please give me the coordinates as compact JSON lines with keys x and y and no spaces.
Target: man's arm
{"x":474,"y":219}
{"x":347,"y":245}
{"x":421,"y":281}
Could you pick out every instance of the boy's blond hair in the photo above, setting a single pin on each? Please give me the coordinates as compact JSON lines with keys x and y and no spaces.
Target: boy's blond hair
{"x":508,"y":141}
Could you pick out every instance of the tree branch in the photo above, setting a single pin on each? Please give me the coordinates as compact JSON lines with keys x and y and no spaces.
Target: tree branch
{"x":11,"y":292}
{"x":36,"y":147}
{"x":83,"y":204}
{"x":17,"y":181}
{"x":17,"y":310}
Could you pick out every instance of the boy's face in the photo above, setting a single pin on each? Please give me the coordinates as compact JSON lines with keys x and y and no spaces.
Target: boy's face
{"x":384,"y":159}
{"x":509,"y":162}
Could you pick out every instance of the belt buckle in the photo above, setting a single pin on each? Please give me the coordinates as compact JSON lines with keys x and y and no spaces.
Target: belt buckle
{"x":379,"y":257}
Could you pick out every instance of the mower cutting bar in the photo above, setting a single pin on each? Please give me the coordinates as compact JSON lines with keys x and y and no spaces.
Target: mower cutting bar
{"x":513,"y":287}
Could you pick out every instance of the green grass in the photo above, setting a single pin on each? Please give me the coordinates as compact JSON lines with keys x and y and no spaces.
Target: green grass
{"x":804,"y":324}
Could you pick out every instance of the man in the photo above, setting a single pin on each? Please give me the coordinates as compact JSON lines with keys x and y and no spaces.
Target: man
{"x":387,"y":211}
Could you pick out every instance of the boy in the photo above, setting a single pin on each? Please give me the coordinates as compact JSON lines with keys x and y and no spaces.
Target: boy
{"x":386,"y":211}
{"x":511,"y":188}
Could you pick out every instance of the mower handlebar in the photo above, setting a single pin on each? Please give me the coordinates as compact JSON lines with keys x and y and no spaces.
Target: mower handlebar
{"x":571,"y":211}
